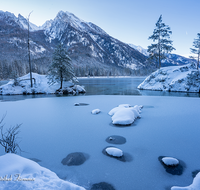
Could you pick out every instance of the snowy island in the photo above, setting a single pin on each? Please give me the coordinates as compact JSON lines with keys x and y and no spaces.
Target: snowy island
{"x":40,"y":86}
{"x":175,"y":79}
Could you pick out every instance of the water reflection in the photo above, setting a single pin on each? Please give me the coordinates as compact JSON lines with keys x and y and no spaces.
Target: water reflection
{"x":124,"y":86}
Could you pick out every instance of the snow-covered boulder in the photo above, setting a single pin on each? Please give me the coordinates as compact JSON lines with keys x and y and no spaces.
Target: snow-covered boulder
{"x":96,"y":111}
{"x":115,"y":152}
{"x":170,"y":161}
{"x":40,"y":86}
{"x":21,"y":173}
{"x":114,"y":110}
{"x":125,"y":115}
{"x":175,"y":78}
{"x":194,"y":186}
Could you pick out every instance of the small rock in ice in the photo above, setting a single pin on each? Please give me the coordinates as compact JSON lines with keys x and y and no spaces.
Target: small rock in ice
{"x":96,"y":111}
{"x":169,"y":161}
{"x":116,"y":152}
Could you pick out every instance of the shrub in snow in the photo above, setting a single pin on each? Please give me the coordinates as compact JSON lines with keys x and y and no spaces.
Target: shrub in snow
{"x":27,"y":174}
{"x":169,"y":161}
{"x":125,"y":115}
{"x":115,"y":152}
{"x":9,"y":139}
{"x":194,"y":186}
{"x":96,"y":111}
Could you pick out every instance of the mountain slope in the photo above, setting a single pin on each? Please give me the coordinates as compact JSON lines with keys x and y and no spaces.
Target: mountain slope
{"x":91,"y":49}
{"x":171,"y":60}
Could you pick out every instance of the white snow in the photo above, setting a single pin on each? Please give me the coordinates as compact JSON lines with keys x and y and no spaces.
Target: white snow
{"x":194,"y":186}
{"x":170,"y":161}
{"x":40,"y":85}
{"x":96,"y":111}
{"x":21,"y":173}
{"x":116,"y":152}
{"x":175,"y":78}
{"x":124,"y":114}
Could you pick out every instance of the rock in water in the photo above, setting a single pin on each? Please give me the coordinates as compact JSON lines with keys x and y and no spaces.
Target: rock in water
{"x":74,"y":159}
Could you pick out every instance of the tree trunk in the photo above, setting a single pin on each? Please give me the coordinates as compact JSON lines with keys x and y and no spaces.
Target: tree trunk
{"x":29,"y":57}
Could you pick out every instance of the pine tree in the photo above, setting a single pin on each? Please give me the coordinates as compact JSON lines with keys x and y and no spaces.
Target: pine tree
{"x":61,"y":68}
{"x":196,"y":49}
{"x":163,"y":45}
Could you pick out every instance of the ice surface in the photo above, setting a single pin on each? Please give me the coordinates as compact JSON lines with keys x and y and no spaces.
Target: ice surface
{"x":53,"y":128}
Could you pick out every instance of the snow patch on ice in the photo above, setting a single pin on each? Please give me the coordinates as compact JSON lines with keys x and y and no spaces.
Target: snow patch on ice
{"x":96,"y":111}
{"x":169,"y":161}
{"x":116,"y":152}
{"x":124,"y":114}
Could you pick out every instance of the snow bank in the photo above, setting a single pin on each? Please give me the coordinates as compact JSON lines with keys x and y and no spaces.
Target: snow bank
{"x":124,"y":114}
{"x":194,"y":186}
{"x":116,"y":152}
{"x":40,"y":86}
{"x":175,"y":78}
{"x":21,"y":173}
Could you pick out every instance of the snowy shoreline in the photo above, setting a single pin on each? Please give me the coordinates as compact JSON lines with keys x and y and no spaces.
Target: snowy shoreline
{"x":173,"y":79}
{"x":40,"y":86}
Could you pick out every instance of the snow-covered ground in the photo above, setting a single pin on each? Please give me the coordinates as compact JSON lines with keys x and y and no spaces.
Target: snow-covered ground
{"x":175,"y":78}
{"x":52,"y":128}
{"x":40,"y":86}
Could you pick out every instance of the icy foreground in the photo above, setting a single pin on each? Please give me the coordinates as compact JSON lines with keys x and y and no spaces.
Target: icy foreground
{"x":21,"y":173}
{"x":40,"y":86}
{"x":176,"y":78}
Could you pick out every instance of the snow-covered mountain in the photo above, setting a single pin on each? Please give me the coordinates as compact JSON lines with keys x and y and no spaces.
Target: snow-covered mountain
{"x":91,"y":49}
{"x":171,"y":60}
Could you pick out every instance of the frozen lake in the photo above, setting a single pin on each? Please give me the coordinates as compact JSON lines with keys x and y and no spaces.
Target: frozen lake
{"x":53,"y":127}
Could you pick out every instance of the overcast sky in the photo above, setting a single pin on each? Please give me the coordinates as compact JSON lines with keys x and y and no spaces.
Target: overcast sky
{"x":130,"y":21}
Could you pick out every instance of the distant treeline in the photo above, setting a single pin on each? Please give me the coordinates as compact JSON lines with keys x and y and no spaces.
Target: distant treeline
{"x":18,"y":68}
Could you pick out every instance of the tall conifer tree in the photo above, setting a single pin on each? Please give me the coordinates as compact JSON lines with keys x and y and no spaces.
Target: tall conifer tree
{"x":61,"y":68}
{"x":163,"y":45}
{"x":196,"y":49}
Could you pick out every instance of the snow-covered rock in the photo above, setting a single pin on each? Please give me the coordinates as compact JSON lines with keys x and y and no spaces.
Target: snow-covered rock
{"x":194,"y":186}
{"x":176,"y":78}
{"x":114,"y":110}
{"x":96,"y":111}
{"x":125,"y":115}
{"x":40,"y":86}
{"x":21,"y":173}
{"x":116,"y":152}
{"x":169,"y":161}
